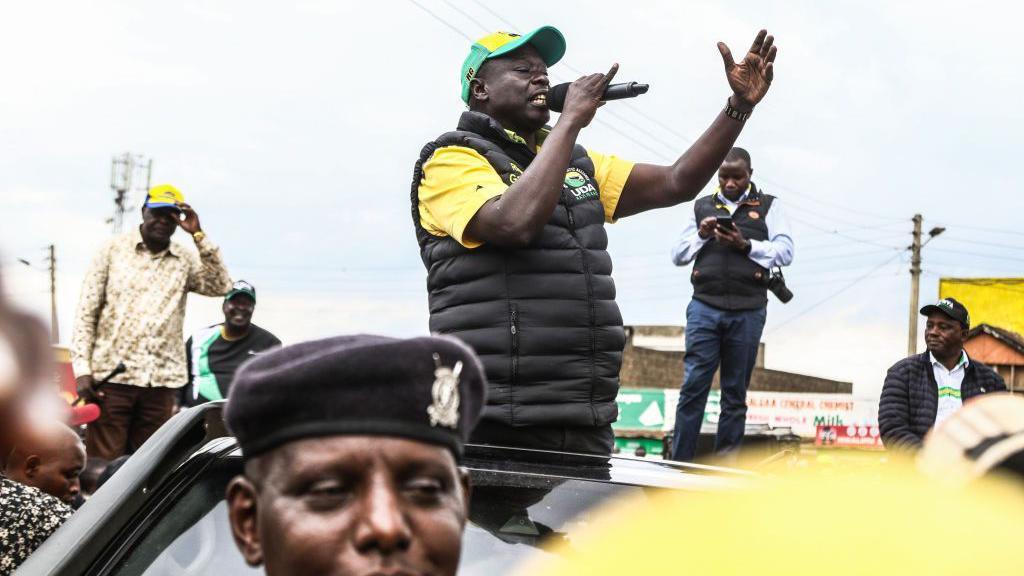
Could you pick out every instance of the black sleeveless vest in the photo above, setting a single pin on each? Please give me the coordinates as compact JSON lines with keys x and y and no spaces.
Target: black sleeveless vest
{"x":723,"y":277}
{"x":543,"y":318}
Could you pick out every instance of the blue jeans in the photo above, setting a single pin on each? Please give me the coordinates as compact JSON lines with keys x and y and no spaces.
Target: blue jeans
{"x":713,"y":336}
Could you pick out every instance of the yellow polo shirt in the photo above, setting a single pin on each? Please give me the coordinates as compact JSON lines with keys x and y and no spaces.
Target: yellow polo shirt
{"x":457,"y":181}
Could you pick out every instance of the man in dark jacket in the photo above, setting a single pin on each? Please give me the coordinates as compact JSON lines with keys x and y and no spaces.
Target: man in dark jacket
{"x":510,"y":215}
{"x":733,"y":237}
{"x":923,"y":390}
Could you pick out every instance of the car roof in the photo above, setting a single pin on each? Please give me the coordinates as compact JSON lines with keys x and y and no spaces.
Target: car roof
{"x":566,"y":465}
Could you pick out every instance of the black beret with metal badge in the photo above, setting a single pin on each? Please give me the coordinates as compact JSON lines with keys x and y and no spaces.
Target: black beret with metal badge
{"x":430,"y":389}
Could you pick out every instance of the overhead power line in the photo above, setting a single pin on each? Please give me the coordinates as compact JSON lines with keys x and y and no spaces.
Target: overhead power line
{"x":497,"y":16}
{"x":972,"y":242}
{"x":995,"y":230}
{"x":483,"y":27}
{"x":839,"y":234}
{"x":835,"y":294}
{"x":447,"y":24}
{"x":807,"y":244}
{"x":979,"y":254}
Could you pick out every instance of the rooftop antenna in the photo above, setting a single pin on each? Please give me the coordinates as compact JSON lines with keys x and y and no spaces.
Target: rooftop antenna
{"x":128,"y":173}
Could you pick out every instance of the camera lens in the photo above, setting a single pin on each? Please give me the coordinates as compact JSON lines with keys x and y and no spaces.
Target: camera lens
{"x":781,"y":291}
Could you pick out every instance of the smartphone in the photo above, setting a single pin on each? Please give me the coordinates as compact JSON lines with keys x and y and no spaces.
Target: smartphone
{"x":724,"y":222}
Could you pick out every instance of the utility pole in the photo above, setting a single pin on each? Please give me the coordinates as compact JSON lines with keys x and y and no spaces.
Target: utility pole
{"x":54,"y":325}
{"x":915,"y":278}
{"x":915,"y":284}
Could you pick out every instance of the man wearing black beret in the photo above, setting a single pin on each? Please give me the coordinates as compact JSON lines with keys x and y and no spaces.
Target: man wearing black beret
{"x":351,"y":448}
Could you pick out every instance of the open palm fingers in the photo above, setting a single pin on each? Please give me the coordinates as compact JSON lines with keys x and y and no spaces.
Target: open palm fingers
{"x":759,"y":41}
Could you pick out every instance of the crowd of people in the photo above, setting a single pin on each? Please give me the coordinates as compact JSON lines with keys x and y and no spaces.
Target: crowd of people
{"x":129,"y":362}
{"x":352,"y":445}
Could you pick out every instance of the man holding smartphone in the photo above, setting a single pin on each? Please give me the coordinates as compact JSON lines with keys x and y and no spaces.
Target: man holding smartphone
{"x":734,"y":237}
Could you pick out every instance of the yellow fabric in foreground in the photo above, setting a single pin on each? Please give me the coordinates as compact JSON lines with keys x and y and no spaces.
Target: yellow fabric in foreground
{"x":888,"y":521}
{"x":457,"y":181}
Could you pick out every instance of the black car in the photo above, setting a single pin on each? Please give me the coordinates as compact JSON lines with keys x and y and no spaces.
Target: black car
{"x":163,"y":513}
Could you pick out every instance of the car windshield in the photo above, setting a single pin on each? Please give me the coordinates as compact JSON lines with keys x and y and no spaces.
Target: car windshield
{"x":512,"y":516}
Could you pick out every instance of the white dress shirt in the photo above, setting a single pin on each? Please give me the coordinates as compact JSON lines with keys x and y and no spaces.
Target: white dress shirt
{"x":776,"y":251}
{"x":949,"y":382}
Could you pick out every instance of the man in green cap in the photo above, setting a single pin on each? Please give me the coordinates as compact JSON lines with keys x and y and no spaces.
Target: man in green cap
{"x":509,"y":215}
{"x":216,"y":352}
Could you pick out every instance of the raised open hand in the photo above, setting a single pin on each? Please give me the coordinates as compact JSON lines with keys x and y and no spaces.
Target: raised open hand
{"x":751,"y":77}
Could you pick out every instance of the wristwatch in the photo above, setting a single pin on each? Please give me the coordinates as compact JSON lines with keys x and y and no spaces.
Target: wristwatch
{"x":734,"y":113}
{"x":198,"y":236}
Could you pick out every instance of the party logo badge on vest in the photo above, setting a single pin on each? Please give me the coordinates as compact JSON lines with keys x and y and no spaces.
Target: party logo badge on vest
{"x":754,"y":215}
{"x":579,"y":185}
{"x":515,"y":173}
{"x":444,"y":411}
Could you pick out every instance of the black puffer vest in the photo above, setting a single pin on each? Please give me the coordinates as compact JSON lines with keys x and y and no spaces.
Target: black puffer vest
{"x":723,"y":277}
{"x":543,"y":318}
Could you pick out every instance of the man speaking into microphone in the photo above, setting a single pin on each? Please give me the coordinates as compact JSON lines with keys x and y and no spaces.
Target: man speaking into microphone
{"x":509,"y":216}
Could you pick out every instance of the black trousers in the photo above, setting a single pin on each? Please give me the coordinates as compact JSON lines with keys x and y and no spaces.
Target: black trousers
{"x":579,"y":439}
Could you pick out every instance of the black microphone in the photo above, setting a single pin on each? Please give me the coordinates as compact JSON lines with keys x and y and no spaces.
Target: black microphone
{"x":556,"y":95}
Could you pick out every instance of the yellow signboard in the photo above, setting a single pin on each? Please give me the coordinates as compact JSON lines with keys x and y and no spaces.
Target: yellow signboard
{"x":994,"y":301}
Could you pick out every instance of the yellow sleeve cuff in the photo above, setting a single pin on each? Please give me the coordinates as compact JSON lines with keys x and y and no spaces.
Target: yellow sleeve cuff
{"x":611,"y":173}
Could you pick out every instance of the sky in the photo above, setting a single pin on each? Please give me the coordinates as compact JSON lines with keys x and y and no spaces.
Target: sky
{"x":292,"y":128}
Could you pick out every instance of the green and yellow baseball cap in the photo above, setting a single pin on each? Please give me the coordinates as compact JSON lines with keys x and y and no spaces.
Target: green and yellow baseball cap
{"x":164,"y":196}
{"x":548,"y":41}
{"x":241,"y":287}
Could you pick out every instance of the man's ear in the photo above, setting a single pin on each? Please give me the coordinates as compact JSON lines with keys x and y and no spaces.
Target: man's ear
{"x":31,"y":466}
{"x":243,"y":513}
{"x":467,"y":491}
{"x":477,"y":90}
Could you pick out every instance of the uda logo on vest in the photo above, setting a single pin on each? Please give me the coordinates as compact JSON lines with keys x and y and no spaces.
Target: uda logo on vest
{"x":579,"y":185}
{"x":515,"y":173}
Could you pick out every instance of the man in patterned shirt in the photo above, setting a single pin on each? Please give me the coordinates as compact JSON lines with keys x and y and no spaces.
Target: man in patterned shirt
{"x":27,"y":516}
{"x":131,"y":310}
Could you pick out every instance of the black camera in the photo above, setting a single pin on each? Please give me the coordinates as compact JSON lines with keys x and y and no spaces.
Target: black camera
{"x":777,"y":284}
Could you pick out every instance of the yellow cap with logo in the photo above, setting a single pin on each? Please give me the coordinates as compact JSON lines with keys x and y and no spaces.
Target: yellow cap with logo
{"x":548,"y":41}
{"x":164,"y":196}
